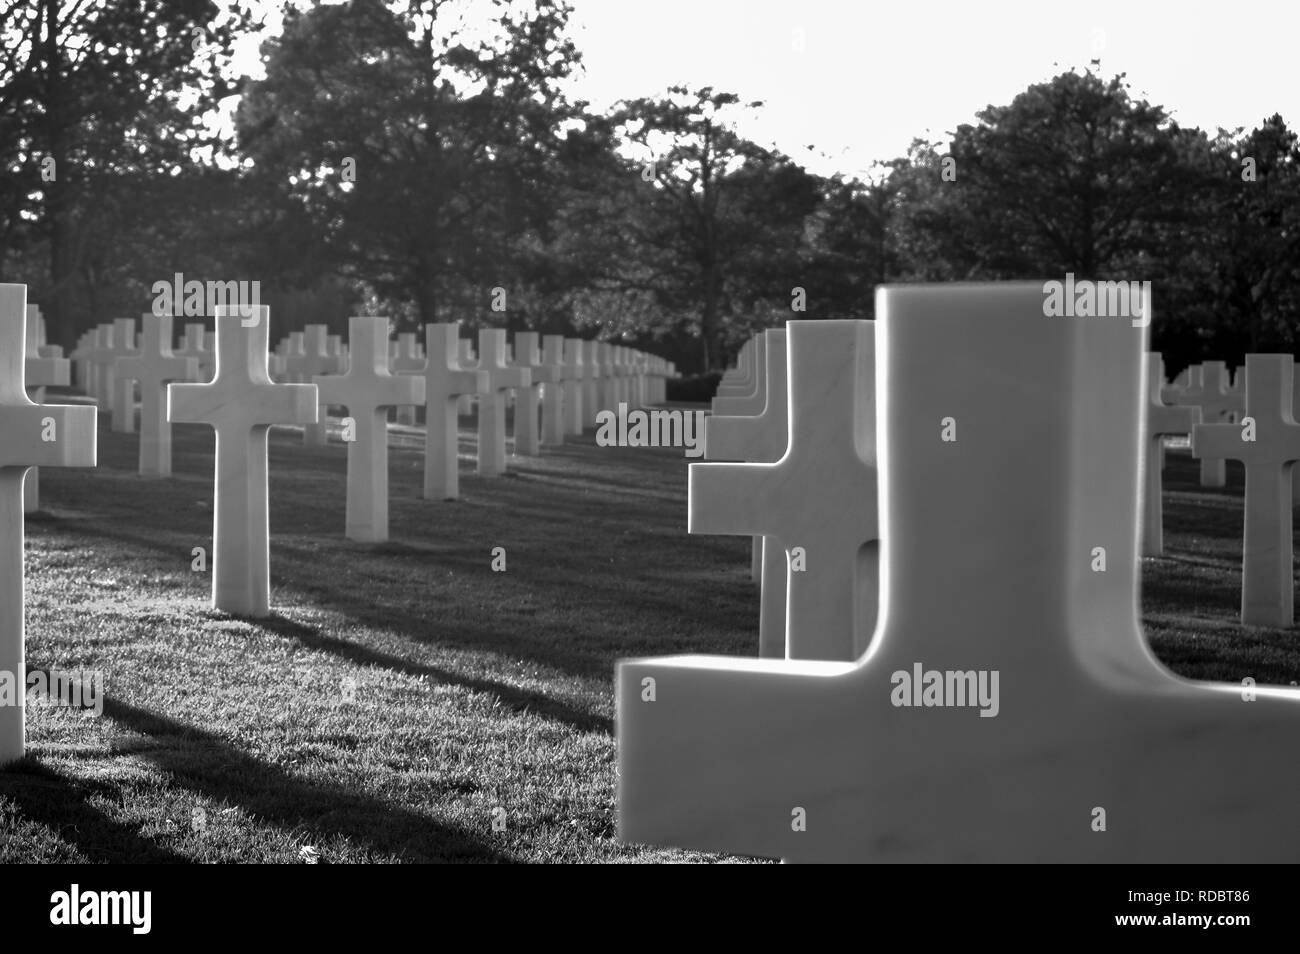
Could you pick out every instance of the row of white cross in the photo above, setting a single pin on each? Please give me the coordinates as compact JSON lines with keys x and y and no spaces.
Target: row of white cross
{"x":993,"y":456}
{"x":368,"y":377}
{"x":572,"y":373}
{"x":749,"y":424}
{"x":1264,"y":437}
{"x":225,"y":382}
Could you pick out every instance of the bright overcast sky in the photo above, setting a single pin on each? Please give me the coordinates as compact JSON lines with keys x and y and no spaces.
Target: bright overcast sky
{"x":871,"y":76}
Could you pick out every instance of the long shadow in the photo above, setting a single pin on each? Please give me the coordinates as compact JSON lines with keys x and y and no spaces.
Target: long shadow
{"x":298,"y":566}
{"x":62,"y":803}
{"x":225,"y":773}
{"x":520,"y":700}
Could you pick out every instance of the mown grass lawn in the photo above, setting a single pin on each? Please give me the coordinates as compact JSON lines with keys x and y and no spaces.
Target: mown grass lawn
{"x":403,"y":692}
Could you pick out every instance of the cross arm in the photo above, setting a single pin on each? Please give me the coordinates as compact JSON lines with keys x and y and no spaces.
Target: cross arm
{"x":41,"y":372}
{"x":48,"y":435}
{"x":1217,"y":441}
{"x":755,"y":439}
{"x":1172,"y":420}
{"x":735,"y":499}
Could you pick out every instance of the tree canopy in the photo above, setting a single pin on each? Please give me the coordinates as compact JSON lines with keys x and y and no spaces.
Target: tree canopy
{"x":401,"y":157}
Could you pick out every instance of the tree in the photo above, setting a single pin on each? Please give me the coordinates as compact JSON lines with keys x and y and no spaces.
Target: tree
{"x":713,"y":223}
{"x":95,"y":98}
{"x":1073,"y":175}
{"x":1253,"y":255}
{"x":421,"y":156}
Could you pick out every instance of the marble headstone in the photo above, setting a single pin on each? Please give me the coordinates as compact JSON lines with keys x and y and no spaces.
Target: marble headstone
{"x":153,"y":367}
{"x":1009,"y":709}
{"x":31,"y":435}
{"x":1267,"y":442}
{"x":241,"y":403}
{"x":368,"y":390}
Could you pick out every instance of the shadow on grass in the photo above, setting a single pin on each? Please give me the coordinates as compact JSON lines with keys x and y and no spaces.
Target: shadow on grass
{"x":520,"y":700}
{"x":202,"y":762}
{"x":62,"y":803}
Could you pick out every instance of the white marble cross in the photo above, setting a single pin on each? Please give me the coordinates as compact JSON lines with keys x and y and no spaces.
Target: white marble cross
{"x":740,"y":380}
{"x":293,"y":347}
{"x":445,"y":383}
{"x":80,"y":359}
{"x":592,"y":373}
{"x":102,"y":355}
{"x":1267,"y":442}
{"x":304,"y":365}
{"x":750,"y":401}
{"x":406,"y":357}
{"x":1238,"y":387}
{"x":553,"y":394}
{"x":1295,"y":406}
{"x":154,"y":367}
{"x":763,"y":436}
{"x":661,"y":371}
{"x":194,"y":345}
{"x":641,"y":378}
{"x":1171,"y":392}
{"x":1009,"y":708}
{"x":241,"y":404}
{"x":45,"y":367}
{"x":1208,"y":390}
{"x":747,"y":436}
{"x":465,"y":354}
{"x":820,"y":496}
{"x":31,"y":435}
{"x":501,"y":378}
{"x":622,"y":376}
{"x":609,"y":391}
{"x":630,"y":377}
{"x":1162,"y":419}
{"x":761,"y":439}
{"x":528,"y":403}
{"x":368,"y":390}
{"x":575,"y":387}
{"x":122,"y":396}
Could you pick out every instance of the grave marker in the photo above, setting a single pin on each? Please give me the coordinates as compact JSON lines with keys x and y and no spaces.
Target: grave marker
{"x":528,"y":403}
{"x":241,"y":404}
{"x":607,"y":383}
{"x":44,"y":367}
{"x":1162,"y":419}
{"x":1267,"y":582}
{"x":575,"y":386}
{"x":1208,"y":390}
{"x":751,"y":401}
{"x":761,"y":439}
{"x":102,"y":355}
{"x":830,"y":605}
{"x":445,"y":383}
{"x":407,"y":358}
{"x":989,"y":569}
{"x":465,"y":352}
{"x":739,"y":380}
{"x":308,"y":357}
{"x":368,"y":390}
{"x":194,"y":346}
{"x":31,"y":435}
{"x":80,"y":358}
{"x":553,"y":393}
{"x":592,"y":373}
{"x":1295,"y":406}
{"x":123,"y":391}
{"x":501,"y":378}
{"x":154,"y":366}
